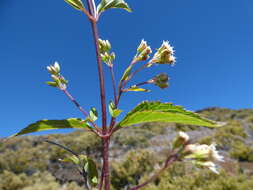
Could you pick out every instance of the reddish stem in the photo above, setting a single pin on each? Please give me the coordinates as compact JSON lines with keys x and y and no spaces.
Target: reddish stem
{"x":106,"y":141}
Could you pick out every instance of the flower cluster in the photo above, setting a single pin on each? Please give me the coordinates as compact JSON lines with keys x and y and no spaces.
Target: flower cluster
{"x":143,"y":51}
{"x":201,"y":155}
{"x":161,"y":80}
{"x":58,"y":80}
{"x":107,"y":57}
{"x":164,"y":55}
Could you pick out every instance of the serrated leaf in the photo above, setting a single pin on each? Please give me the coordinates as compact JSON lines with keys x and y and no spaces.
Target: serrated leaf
{"x":137,"y":89}
{"x":108,"y":4}
{"x":164,"y":112}
{"x":92,"y":173}
{"x":113,"y":110}
{"x":43,"y":125}
{"x":93,"y":114}
{"x":77,"y":4}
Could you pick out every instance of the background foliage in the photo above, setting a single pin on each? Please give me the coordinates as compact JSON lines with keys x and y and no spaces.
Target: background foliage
{"x":28,"y":163}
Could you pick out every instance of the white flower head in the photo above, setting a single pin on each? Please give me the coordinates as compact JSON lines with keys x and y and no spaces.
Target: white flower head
{"x":57,"y":66}
{"x":210,"y":165}
{"x":203,"y":152}
{"x":164,"y":54}
{"x":181,"y":140}
{"x":215,"y":154}
{"x":143,"y":45}
{"x":184,"y":136}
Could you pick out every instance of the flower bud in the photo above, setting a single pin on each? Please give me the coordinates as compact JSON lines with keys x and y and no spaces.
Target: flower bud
{"x":54,"y":69}
{"x":113,"y":56}
{"x":161,"y":80}
{"x":181,"y":140}
{"x":57,"y":67}
{"x":164,"y":55}
{"x":143,"y":45}
{"x":143,"y":52}
{"x":144,"y":55}
{"x":104,"y":46}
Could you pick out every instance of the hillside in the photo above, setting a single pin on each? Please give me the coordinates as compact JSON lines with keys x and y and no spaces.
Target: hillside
{"x":29,"y":163}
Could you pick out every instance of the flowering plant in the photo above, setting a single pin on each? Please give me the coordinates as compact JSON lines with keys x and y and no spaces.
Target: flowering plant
{"x":200,"y":155}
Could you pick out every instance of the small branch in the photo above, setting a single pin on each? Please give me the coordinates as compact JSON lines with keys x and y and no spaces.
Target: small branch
{"x":63,"y":147}
{"x":75,"y":102}
{"x":168,"y":162}
{"x":134,"y":73}
{"x":82,"y":173}
{"x":97,"y":131}
{"x":142,"y":83}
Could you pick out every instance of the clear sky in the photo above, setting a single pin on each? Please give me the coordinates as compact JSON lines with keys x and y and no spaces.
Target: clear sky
{"x":213,"y":42}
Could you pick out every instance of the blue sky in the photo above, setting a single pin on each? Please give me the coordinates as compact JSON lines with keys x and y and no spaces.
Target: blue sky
{"x":213,"y":42}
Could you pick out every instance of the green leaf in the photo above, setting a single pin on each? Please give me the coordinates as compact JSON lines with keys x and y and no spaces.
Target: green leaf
{"x":53,"y":84}
{"x":92,"y":173}
{"x":136,"y":89}
{"x":164,"y":112}
{"x":77,"y":4}
{"x":93,"y":114}
{"x":43,"y":125}
{"x":107,"y":4}
{"x":113,"y":110}
{"x":72,"y":159}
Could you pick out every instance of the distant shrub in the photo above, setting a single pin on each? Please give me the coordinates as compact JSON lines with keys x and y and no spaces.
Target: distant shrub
{"x":131,"y":168}
{"x":242,"y":152}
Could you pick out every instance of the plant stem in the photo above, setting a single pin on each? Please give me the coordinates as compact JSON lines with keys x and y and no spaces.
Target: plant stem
{"x":105,"y":141}
{"x":75,"y":102}
{"x":167,"y":163}
{"x":106,"y":172}
{"x":101,"y":183}
{"x":100,"y":66}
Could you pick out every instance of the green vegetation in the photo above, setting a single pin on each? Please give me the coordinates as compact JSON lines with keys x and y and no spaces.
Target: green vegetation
{"x":29,"y":163}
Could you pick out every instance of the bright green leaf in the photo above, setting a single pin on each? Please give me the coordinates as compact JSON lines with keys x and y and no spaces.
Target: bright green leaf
{"x":72,"y":159}
{"x":113,"y":110}
{"x":136,"y":89}
{"x":93,"y":114}
{"x":53,"y":84}
{"x":164,"y":112}
{"x":43,"y":125}
{"x":77,"y":4}
{"x":92,"y":173}
{"x":107,"y":4}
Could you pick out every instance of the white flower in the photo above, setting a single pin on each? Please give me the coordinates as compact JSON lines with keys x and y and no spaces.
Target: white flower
{"x":181,"y":140}
{"x":143,"y":45}
{"x":57,"y":67}
{"x":165,"y":54}
{"x":203,"y":152}
{"x":215,"y":154}
{"x":184,"y":136}
{"x":210,"y":165}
